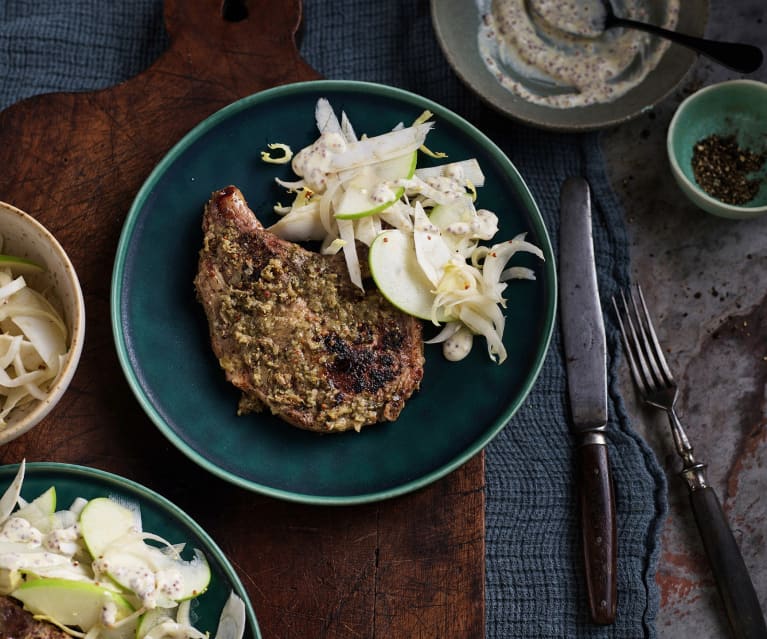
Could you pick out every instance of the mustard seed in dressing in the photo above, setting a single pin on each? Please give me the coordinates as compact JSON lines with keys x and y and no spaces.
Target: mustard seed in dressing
{"x":531,"y":55}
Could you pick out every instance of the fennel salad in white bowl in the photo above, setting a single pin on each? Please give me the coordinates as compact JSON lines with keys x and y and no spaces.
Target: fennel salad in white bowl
{"x":42,"y":322}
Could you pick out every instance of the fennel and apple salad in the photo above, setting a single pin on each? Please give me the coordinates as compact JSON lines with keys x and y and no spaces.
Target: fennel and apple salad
{"x":421,"y":225}
{"x":93,"y":572}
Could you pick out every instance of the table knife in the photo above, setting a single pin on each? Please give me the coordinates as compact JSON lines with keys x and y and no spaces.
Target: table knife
{"x":586,"y":363}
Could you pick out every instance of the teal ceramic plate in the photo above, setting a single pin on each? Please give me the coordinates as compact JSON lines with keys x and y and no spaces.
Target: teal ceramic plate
{"x":162,"y":335}
{"x":158,"y":515}
{"x":456,"y":24}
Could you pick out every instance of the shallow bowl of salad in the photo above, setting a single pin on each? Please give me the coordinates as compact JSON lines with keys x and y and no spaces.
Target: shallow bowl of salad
{"x":42,"y":322}
{"x":97,"y":554}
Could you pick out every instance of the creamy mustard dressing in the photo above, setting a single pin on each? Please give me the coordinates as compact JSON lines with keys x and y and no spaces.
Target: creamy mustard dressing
{"x":458,"y":345}
{"x":19,"y":530}
{"x":535,"y":54}
{"x":314,"y":162}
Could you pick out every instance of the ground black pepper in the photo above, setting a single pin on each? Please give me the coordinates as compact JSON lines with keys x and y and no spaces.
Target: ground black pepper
{"x":725,"y":171}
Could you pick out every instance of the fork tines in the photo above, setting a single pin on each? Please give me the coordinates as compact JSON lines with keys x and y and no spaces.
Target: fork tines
{"x":645,"y":356}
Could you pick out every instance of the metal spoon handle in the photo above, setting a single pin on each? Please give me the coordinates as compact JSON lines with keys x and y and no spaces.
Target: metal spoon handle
{"x":744,"y":58}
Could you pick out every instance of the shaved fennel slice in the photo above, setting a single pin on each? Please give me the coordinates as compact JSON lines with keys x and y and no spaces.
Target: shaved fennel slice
{"x":12,"y":494}
{"x":172,"y":629}
{"x":380,"y":148}
{"x":498,"y":256}
{"x":45,"y":336}
{"x":231,"y":623}
{"x":346,"y":231}
{"x":300,"y":224}
{"x":431,"y":250}
{"x":448,"y":330}
{"x":10,"y":346}
{"x":14,"y":286}
{"x":415,"y":186}
{"x":325,"y":117}
{"x":464,"y":170}
{"x":517,"y":273}
{"x":32,"y":347}
{"x":481,"y":325}
{"x":347,"y":130}
{"x":367,"y":228}
{"x":21,"y":377}
{"x":327,"y":205}
{"x":398,"y":216}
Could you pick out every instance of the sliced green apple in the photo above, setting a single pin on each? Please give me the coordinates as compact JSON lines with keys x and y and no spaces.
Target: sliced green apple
{"x":10,"y":579}
{"x":39,"y":512}
{"x":20,"y":265}
{"x":106,"y":525}
{"x":397,"y":274}
{"x":70,"y":571}
{"x":102,"y":521}
{"x":358,"y":198}
{"x":71,"y":603}
{"x":174,"y":578}
{"x":456,"y":211}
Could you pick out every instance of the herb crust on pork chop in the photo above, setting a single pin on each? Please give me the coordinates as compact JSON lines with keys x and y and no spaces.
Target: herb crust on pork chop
{"x":294,"y":334}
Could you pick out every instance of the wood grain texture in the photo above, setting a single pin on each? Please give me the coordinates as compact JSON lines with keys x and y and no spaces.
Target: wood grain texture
{"x":409,"y":567}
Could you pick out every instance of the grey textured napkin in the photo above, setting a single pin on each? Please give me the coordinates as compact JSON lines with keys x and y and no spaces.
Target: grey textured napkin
{"x":535,"y":584}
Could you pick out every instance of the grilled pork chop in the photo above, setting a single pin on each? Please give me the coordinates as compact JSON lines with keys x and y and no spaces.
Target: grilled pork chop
{"x":294,"y":334}
{"x":17,"y":623}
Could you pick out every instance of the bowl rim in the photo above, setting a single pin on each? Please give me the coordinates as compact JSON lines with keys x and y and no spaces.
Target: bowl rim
{"x":733,"y":210}
{"x":76,"y":338}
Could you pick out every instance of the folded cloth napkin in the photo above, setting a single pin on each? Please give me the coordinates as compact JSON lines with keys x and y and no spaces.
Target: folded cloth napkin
{"x":535,"y":585}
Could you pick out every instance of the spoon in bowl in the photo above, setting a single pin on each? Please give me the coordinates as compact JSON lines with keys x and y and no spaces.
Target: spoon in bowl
{"x":590,"y":18}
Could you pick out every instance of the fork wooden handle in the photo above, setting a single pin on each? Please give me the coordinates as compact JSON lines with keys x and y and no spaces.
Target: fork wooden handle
{"x":600,"y":547}
{"x":730,"y":572}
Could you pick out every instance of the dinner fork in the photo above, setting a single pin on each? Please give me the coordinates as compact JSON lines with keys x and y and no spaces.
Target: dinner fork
{"x":657,"y":387}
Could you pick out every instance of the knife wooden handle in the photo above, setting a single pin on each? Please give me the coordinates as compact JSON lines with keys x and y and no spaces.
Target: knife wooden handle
{"x":600,"y":548}
{"x":740,"y":599}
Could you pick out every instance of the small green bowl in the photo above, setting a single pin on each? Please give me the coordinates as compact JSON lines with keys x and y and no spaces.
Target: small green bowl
{"x":737,"y":107}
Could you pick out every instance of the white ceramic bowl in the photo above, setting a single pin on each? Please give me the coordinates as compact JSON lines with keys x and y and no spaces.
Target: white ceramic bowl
{"x":23,"y":236}
{"x":736,"y":107}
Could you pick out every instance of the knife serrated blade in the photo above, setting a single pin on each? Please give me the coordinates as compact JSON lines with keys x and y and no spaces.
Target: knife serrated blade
{"x":586,"y":363}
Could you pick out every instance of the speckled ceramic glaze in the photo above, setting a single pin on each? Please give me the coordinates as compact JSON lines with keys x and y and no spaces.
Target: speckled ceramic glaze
{"x":738,"y":108}
{"x":158,"y":516}
{"x":24,"y":236}
{"x":162,"y":335}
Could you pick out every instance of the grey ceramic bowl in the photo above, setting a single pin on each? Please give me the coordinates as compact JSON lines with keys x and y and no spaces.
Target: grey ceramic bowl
{"x":456,"y":24}
{"x":737,"y":108}
{"x":23,"y":236}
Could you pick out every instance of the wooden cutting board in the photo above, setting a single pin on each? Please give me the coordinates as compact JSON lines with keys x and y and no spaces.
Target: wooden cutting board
{"x":403,"y":568}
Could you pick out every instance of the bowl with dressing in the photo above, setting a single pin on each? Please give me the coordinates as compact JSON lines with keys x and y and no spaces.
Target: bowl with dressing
{"x":523,"y":57}
{"x":717,"y":148}
{"x":42,"y":322}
